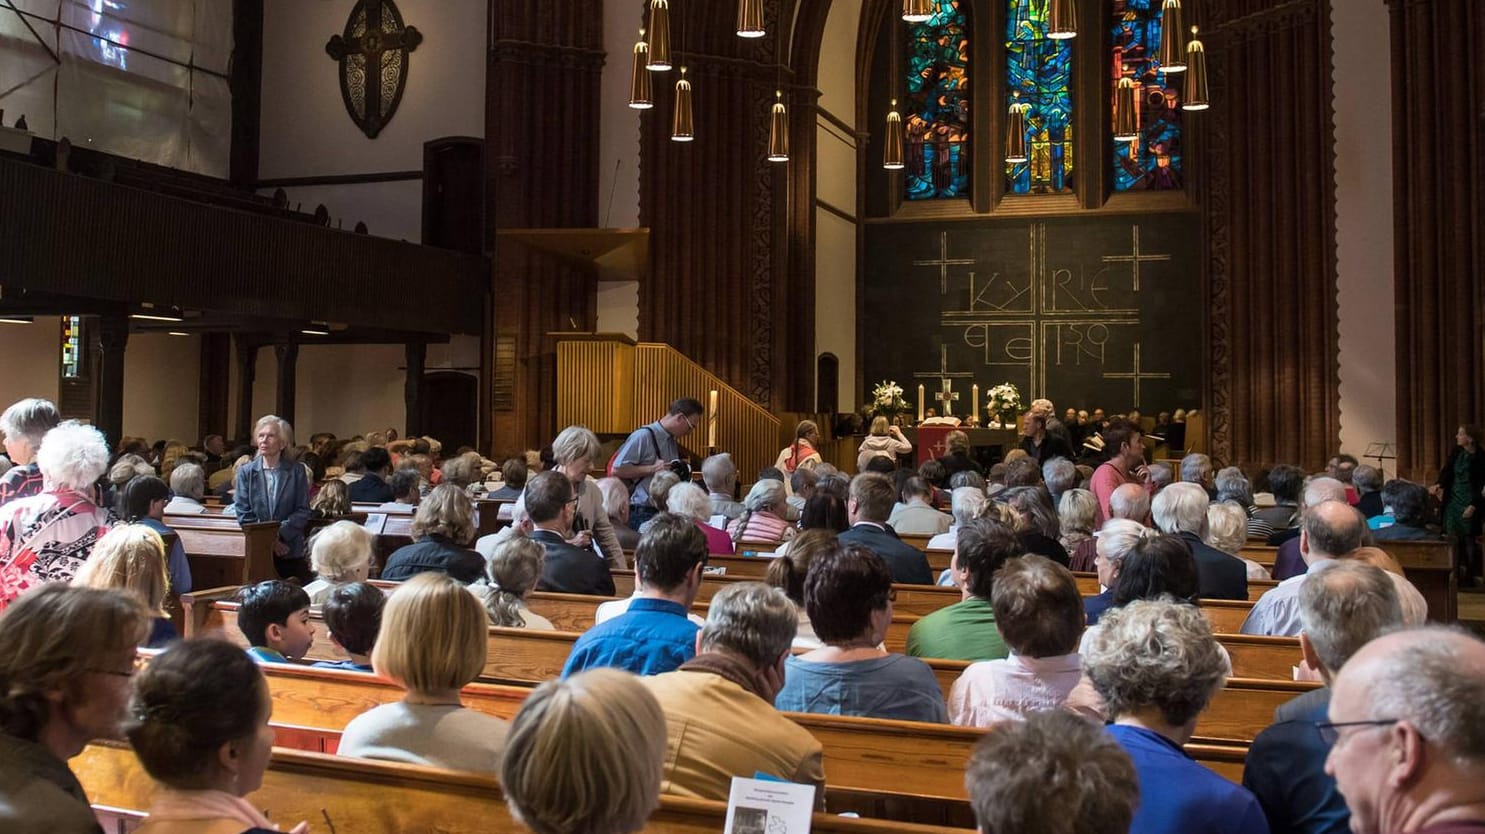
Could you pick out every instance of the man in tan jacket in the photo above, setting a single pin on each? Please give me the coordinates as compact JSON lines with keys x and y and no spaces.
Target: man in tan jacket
{"x":719,"y":705}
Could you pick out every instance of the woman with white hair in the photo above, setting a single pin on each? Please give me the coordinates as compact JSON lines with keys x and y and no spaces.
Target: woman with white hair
{"x":341,"y":554}
{"x":691,"y":501}
{"x":24,"y":424}
{"x":1227,"y":530}
{"x":762,"y":519}
{"x":1157,"y":666}
{"x":188,"y":487}
{"x":965,"y":504}
{"x":273,"y":487}
{"x":47,"y":537}
{"x":574,"y":452}
{"x":1113,"y":541}
{"x":616,"y":505}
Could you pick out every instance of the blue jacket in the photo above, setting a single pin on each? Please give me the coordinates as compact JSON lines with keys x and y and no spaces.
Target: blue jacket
{"x":1179,"y":796}
{"x":652,"y":637}
{"x":1286,"y":771}
{"x":291,"y":511}
{"x":908,"y":564}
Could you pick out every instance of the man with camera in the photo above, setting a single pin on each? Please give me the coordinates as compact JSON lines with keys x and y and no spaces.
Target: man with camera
{"x":652,"y":449}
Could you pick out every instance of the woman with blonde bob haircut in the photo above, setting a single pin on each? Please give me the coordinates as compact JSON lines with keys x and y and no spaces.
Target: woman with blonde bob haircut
{"x":585,"y":755}
{"x":131,"y":557}
{"x":432,"y":644}
{"x":341,"y":554}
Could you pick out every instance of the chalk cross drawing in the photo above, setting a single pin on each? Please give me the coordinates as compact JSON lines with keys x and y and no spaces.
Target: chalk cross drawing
{"x":944,"y":262}
{"x":1136,"y":374}
{"x":946,"y":393}
{"x":1135,"y":258}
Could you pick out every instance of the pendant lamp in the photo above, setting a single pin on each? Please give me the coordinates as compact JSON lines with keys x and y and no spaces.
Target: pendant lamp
{"x":1126,"y":125}
{"x":750,"y":19}
{"x":892,"y":151}
{"x":1062,"y":19}
{"x":659,"y":36}
{"x":778,"y":130}
{"x":1172,"y":53}
{"x":917,"y":11}
{"x":1198,"y":97}
{"x":1015,"y":132}
{"x":640,"y":88}
{"x":682,"y":128}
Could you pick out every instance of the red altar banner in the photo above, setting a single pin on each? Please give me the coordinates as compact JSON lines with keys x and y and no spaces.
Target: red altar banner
{"x":931,"y":444}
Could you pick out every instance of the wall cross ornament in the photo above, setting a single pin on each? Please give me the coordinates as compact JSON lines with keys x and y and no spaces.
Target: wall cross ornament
{"x":373,"y":56}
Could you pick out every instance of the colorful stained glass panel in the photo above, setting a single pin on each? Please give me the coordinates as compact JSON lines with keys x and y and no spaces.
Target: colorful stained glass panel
{"x":1153,"y":163}
{"x":1039,"y":69}
{"x":936,"y":115}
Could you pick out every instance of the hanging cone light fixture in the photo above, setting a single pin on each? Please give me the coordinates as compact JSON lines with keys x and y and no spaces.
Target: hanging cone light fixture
{"x":1015,"y":132}
{"x":1198,"y":97}
{"x":682,"y":128}
{"x":750,"y":18}
{"x":1126,"y":124}
{"x":892,"y":150}
{"x":1062,"y":19}
{"x":917,"y":11}
{"x":659,"y":36}
{"x":1172,"y":53}
{"x":778,"y":130}
{"x":641,"y":95}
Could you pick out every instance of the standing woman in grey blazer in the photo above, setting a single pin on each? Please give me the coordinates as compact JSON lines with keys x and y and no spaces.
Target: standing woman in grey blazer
{"x":274,"y":487}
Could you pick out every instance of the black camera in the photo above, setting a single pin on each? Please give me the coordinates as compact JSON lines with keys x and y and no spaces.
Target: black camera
{"x":681,"y":469}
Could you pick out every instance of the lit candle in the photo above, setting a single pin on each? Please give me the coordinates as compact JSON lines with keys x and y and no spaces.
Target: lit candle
{"x":975,"y":396}
{"x":711,"y":420}
{"x":920,"y":402}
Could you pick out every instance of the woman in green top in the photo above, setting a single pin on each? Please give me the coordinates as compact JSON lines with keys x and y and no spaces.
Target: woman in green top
{"x":1459,"y":488}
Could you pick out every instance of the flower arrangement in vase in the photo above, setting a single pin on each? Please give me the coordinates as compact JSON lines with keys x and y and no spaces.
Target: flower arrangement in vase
{"x":1003,"y":404}
{"x":887,"y":401}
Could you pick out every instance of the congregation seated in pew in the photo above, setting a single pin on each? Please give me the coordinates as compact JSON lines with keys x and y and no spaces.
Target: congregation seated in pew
{"x":442,"y":529}
{"x":568,"y":569}
{"x":341,"y":554}
{"x":198,"y":722}
{"x":762,"y":518}
{"x":870,"y":505}
{"x":274,"y":618}
{"x":432,"y":644}
{"x":848,"y":592}
{"x":131,"y":558}
{"x":967,"y":630}
{"x":512,"y":572}
{"x":788,"y":571}
{"x":143,"y":501}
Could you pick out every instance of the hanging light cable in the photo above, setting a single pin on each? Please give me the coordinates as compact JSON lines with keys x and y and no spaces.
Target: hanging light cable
{"x":1172,"y":53}
{"x":750,"y":19}
{"x":1126,"y":124}
{"x":1015,"y":131}
{"x":778,"y":130}
{"x":641,"y":96}
{"x":1198,"y":97}
{"x":917,"y":11}
{"x":892,"y":150}
{"x":682,"y":129}
{"x":659,"y":36}
{"x":1062,"y":19}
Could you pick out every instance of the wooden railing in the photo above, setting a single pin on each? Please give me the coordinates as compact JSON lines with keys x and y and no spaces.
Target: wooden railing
{"x":612,"y":386}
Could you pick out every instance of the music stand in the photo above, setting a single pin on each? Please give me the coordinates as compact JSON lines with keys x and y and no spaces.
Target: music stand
{"x":1380,"y":452}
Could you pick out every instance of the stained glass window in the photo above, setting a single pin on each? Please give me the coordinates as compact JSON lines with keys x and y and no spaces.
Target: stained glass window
{"x":936,"y":117}
{"x":1153,"y":163}
{"x":1040,"y":70}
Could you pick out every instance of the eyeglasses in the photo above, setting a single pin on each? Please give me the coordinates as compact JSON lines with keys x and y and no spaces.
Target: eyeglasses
{"x":1330,"y":730}
{"x":688,"y":420}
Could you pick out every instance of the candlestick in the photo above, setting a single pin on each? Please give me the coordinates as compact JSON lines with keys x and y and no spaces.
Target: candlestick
{"x":975,"y":395}
{"x":920,"y":402}
{"x":711,"y":420}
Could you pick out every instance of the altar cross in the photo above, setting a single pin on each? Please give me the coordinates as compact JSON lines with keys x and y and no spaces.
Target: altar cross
{"x":944,"y":262}
{"x":946,"y":393}
{"x":1136,"y":374}
{"x":1134,"y":258}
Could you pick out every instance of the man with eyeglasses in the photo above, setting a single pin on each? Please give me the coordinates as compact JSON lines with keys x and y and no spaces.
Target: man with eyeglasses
{"x":1408,"y":719}
{"x":650,"y":449}
{"x":1341,"y":609}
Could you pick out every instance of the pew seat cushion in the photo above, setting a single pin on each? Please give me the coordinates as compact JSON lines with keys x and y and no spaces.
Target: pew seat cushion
{"x":895,"y":686}
{"x":1179,"y":796}
{"x":38,"y":793}
{"x":437,"y":735}
{"x":962,"y":631}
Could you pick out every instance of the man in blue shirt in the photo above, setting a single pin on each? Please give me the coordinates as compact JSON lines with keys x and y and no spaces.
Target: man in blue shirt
{"x":650,"y":449}
{"x":654,"y":635}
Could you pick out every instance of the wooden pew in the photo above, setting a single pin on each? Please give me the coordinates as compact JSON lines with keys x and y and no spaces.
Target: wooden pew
{"x":222,"y":552}
{"x":860,"y":753}
{"x":370,"y":797}
{"x":1429,"y":565}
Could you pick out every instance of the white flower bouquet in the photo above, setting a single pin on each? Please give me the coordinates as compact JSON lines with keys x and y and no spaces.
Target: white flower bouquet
{"x":1003,"y":402}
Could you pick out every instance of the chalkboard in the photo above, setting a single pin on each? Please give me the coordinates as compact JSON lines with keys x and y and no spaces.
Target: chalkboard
{"x":1091,"y":311}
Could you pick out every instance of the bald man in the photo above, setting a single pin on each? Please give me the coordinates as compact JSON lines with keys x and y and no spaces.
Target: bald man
{"x":1288,"y":562}
{"x":1131,"y":501}
{"x":1330,"y":530}
{"x":1407,"y":731}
